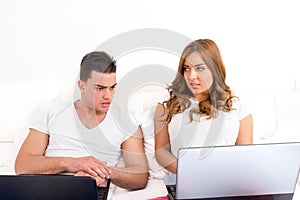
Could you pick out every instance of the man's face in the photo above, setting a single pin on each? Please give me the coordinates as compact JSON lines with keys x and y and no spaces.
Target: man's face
{"x":98,"y":91}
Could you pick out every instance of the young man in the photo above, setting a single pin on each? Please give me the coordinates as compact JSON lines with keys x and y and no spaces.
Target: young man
{"x":86,"y":137}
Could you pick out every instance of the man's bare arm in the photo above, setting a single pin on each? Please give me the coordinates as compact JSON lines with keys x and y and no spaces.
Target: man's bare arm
{"x":135,"y":173}
{"x":31,"y":159}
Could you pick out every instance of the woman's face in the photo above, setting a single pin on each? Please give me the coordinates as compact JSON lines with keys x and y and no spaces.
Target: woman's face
{"x":197,"y":75}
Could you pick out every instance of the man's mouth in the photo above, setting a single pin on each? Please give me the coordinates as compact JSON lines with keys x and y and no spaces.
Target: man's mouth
{"x":105,"y":104}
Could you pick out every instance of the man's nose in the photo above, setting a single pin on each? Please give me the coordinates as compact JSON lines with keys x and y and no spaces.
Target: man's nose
{"x":108,"y":93}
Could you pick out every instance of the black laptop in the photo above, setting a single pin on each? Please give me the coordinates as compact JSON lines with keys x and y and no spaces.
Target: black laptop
{"x":247,"y":172}
{"x":51,"y":187}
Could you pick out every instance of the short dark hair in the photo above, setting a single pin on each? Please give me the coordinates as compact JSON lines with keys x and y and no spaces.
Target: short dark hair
{"x":98,"y":61}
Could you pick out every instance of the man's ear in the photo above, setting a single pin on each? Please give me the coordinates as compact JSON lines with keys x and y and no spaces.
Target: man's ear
{"x":81,"y":85}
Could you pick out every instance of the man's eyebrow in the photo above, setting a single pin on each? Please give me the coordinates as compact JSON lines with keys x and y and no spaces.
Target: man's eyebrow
{"x":104,"y":86}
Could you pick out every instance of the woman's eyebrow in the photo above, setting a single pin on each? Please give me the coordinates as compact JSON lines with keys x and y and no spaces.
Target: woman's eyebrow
{"x":197,"y":65}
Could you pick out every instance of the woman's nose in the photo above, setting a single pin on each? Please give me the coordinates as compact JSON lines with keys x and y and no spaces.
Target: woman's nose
{"x":193,"y":74}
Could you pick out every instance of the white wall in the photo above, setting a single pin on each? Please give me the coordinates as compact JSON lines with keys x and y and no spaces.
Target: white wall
{"x":42,"y":42}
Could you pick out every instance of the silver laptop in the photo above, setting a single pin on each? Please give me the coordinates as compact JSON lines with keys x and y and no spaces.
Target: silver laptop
{"x":260,"y":171}
{"x":51,"y":187}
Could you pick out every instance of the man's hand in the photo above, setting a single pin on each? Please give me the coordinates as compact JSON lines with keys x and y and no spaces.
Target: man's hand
{"x":99,"y":181}
{"x":89,"y":166}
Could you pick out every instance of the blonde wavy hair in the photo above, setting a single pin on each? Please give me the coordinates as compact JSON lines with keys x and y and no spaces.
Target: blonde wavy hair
{"x":220,"y":95}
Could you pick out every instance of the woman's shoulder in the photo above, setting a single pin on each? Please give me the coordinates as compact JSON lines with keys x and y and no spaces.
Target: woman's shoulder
{"x":238,"y":101}
{"x":160,"y":110}
{"x":161,"y":113}
{"x":241,"y":106}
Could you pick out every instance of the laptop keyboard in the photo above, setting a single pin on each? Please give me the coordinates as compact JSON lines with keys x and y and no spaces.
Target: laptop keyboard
{"x":172,"y":196}
{"x":102,"y":193}
{"x":171,"y":191}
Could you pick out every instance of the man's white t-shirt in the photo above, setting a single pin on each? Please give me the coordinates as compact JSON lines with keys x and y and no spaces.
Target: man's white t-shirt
{"x":69,"y":137}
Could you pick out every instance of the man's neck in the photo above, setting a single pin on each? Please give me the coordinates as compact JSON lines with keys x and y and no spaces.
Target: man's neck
{"x":88,"y":117}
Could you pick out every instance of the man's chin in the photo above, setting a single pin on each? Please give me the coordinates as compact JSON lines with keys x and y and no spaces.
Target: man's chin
{"x":102,"y":110}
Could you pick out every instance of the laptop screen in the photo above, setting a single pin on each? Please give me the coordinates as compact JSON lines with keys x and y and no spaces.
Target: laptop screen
{"x":260,"y":170}
{"x":58,"y":187}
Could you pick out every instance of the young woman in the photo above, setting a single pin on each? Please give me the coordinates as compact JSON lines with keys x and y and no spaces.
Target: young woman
{"x":201,"y":110}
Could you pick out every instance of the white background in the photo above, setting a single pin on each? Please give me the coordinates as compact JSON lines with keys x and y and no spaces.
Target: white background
{"x":42,"y":42}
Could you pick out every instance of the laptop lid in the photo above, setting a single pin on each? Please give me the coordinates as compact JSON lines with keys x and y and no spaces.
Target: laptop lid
{"x":49,"y":187}
{"x":238,"y":171}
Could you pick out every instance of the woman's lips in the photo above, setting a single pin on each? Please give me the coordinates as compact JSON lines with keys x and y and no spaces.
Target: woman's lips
{"x":194,"y":85}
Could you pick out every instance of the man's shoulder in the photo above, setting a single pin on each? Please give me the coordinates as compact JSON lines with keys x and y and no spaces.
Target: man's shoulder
{"x":57,"y":106}
{"x":123,"y":118}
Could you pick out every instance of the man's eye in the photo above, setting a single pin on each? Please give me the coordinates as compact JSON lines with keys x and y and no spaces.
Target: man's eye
{"x":99,"y":88}
{"x":112,"y":87}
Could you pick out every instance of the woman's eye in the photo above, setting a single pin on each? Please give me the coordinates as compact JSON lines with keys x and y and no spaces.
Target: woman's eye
{"x":200,"y":68}
{"x":186,"y":69}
